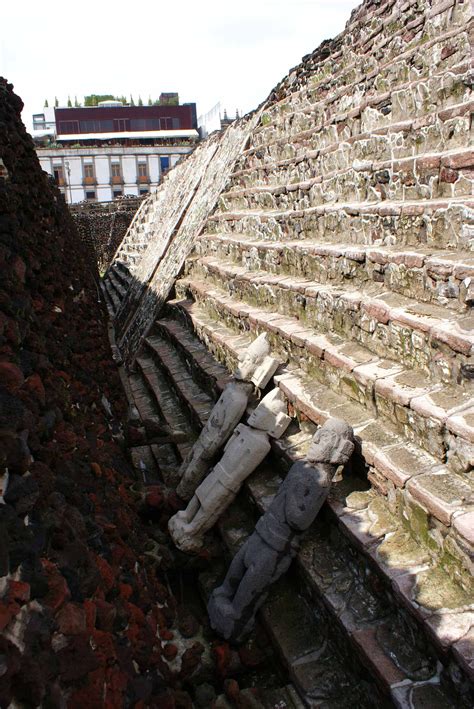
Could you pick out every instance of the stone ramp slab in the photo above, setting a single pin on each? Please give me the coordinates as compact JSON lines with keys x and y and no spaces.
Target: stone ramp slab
{"x":167,"y":266}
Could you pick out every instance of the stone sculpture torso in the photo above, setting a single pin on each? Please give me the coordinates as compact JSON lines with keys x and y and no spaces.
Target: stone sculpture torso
{"x":224,"y":417}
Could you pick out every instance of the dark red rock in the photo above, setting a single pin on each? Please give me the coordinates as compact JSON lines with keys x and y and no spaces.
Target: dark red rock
{"x":34,"y":385}
{"x":58,"y":590}
{"x":11,"y":376}
{"x":77,"y":659}
{"x":71,"y":619}
{"x":19,"y":591}
{"x":170,"y":651}
{"x":7,"y":612}
{"x":190,"y":660}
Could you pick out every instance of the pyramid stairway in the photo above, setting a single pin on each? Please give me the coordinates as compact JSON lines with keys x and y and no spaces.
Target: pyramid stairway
{"x":345,"y":232}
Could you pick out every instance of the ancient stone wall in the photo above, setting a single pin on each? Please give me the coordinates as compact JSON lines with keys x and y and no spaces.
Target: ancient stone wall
{"x":104,"y":225}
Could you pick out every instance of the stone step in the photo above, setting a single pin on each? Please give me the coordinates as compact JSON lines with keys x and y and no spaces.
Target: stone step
{"x":420,"y":336}
{"x":193,"y":399}
{"x":116,"y":283}
{"x":107,"y":300}
{"x":428,"y":275}
{"x":112,"y":299}
{"x":373,"y":153}
{"x":339,"y":145}
{"x":414,"y":406}
{"x":369,"y":109}
{"x":431,"y":223}
{"x":131,"y":260}
{"x":162,"y":398}
{"x":165,"y":455}
{"x":211,"y":376}
{"x":134,"y":247}
{"x":418,"y":177}
{"x":370,"y":520}
{"x":347,"y":65}
{"x":120,"y":270}
{"x":301,"y":634}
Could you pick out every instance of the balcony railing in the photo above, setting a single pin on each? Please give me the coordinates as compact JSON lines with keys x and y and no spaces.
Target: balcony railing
{"x":89,"y":180}
{"x":116,"y":180}
{"x":143,"y":179}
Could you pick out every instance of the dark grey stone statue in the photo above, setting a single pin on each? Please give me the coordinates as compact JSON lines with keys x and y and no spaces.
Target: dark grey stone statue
{"x":268,"y":552}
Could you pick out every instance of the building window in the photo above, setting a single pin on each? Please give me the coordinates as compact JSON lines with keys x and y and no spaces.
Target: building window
{"x":88,"y":170}
{"x":165,"y":163}
{"x":90,"y":195}
{"x":68,"y":127}
{"x":117,"y":193}
{"x":121,"y":124}
{"x":116,"y":173}
{"x":142,"y":169}
{"x":144,"y":190}
{"x":58,"y":174}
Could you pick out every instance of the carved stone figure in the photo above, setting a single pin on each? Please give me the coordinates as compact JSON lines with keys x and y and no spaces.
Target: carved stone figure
{"x":246,"y":449}
{"x":268,"y":552}
{"x":255,"y":367}
{"x":224,"y":417}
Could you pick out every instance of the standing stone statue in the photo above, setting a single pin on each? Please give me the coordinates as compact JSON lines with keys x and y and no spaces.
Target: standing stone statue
{"x":255,"y":368}
{"x":268,"y":552}
{"x":244,"y":451}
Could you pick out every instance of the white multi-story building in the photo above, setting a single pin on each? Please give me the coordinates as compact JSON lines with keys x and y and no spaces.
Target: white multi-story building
{"x":103,"y":152}
{"x":105,"y":173}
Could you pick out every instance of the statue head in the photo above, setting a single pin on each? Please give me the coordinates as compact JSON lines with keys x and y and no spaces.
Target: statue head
{"x":332,"y":443}
{"x":256,"y":365}
{"x":271,"y":414}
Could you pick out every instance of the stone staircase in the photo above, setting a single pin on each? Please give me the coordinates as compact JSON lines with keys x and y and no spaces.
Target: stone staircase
{"x":345,"y":231}
{"x":345,"y":621}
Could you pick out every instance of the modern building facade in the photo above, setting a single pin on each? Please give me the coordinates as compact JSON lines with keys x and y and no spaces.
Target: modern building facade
{"x":103,"y":152}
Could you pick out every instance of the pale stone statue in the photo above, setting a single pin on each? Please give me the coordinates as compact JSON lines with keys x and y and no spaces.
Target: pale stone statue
{"x":224,"y":417}
{"x":268,"y":552}
{"x":244,"y":451}
{"x":255,"y":367}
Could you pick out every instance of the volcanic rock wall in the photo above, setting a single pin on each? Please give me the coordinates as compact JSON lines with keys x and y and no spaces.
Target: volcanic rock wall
{"x":345,"y":233}
{"x":104,"y":225}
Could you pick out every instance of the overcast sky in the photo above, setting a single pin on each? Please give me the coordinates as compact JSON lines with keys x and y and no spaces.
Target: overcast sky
{"x":208,"y":51}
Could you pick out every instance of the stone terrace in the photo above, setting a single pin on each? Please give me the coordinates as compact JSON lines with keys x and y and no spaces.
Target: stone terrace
{"x":343,"y":226}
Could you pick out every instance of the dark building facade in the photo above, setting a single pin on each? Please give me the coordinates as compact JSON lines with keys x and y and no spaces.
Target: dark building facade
{"x":118,"y":119}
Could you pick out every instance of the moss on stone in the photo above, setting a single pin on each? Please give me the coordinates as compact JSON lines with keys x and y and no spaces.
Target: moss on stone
{"x":435,"y":590}
{"x":401,"y":550}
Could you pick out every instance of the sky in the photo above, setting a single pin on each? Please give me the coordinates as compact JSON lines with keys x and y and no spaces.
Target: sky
{"x":208,"y":51}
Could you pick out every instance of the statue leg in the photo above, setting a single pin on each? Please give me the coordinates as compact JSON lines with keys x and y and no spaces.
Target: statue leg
{"x":190,"y":511}
{"x":220,"y":608}
{"x":234,"y":574}
{"x":264,"y":568}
